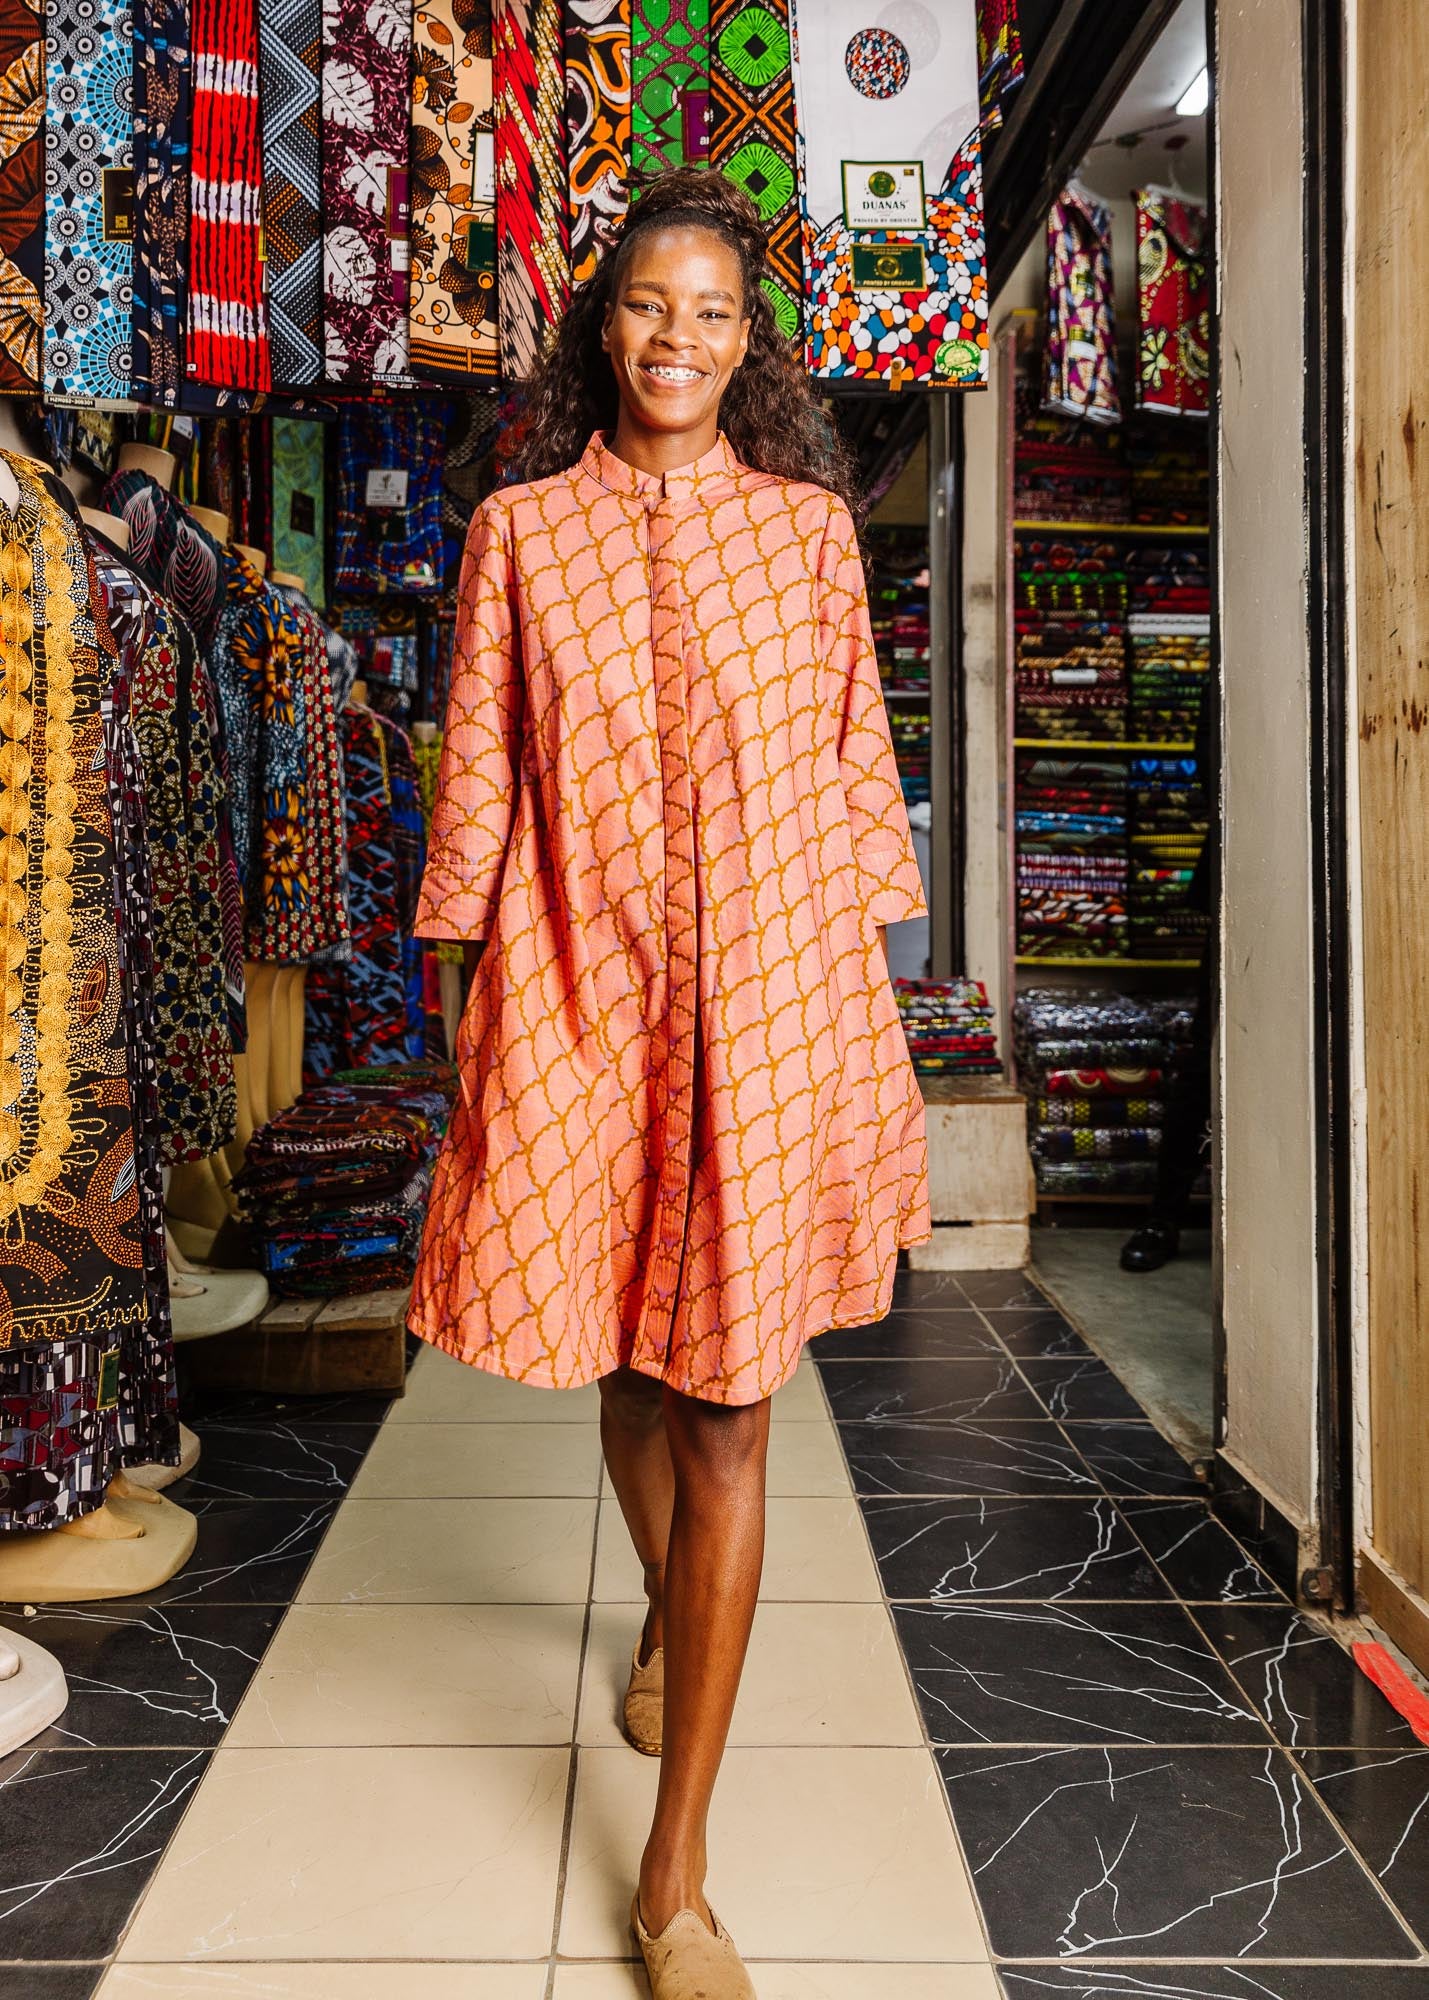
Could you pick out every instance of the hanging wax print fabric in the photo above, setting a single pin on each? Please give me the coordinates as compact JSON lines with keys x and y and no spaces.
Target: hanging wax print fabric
{"x":227,"y":344}
{"x":752,"y":137}
{"x":162,"y":102}
{"x":367,"y":55}
{"x":533,"y":221}
{"x":597,"y":125}
{"x":999,"y":58}
{"x":22,"y":195}
{"x":895,"y":284}
{"x":290,"y":59}
{"x":452,"y":322}
{"x":298,"y":530}
{"x":1174,"y":296}
{"x":670,"y":84}
{"x":1081,"y":371}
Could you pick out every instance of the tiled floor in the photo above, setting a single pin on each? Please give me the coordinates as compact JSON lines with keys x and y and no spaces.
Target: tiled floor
{"x":367,"y":1744}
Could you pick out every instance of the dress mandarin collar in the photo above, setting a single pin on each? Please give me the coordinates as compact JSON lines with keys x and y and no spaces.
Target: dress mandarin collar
{"x":685,"y":482}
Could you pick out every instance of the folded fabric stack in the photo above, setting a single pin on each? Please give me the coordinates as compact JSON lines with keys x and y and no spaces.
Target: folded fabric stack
{"x":1095,"y":1065}
{"x":912,"y":735}
{"x":1170,"y":822}
{"x":1071,"y":831}
{"x":949,"y":1026}
{"x":1170,"y":479}
{"x":1070,"y":619}
{"x":898,"y":612}
{"x":335,"y":1189}
{"x":1056,"y":479}
{"x":1169,"y":631}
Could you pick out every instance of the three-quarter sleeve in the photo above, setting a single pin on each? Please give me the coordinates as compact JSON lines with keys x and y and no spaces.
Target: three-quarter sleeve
{"x":890,"y":887}
{"x":481,"y":748}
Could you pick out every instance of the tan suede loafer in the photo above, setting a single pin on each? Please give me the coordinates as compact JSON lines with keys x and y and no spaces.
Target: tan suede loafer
{"x":645,"y":1702}
{"x":688,"y":1961}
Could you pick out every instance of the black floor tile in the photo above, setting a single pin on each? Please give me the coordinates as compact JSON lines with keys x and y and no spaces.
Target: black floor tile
{"x":1200,"y":1560}
{"x":1382,"y":1802}
{"x":49,"y":1982}
{"x":933,"y":1335}
{"x":249,"y":1552}
{"x":1039,"y":1330}
{"x":1302,"y":1680}
{"x":947,"y":1550}
{"x":80,"y":1831}
{"x":145,"y":1676}
{"x":920,"y":1290}
{"x":1001,"y":1291}
{"x":275,"y":1458}
{"x":1081,"y":1390}
{"x":980,"y":1391}
{"x":963,"y":1458}
{"x":1218,"y":1854}
{"x":1060,"y":1673}
{"x":202,"y":1407}
{"x":1135,"y":1459}
{"x":1215,"y":1982}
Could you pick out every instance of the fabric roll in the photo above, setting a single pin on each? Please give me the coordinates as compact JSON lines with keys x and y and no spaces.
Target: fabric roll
{"x":227,"y":344}
{"x":89,"y":209}
{"x":1080,"y":351}
{"x":22,"y":197}
{"x":452,"y":323}
{"x":1174,"y":303}
{"x":670,"y":84}
{"x":290,"y":62}
{"x":752,"y":135}
{"x":162,"y":122}
{"x":532,"y":197}
{"x":299,"y":528}
{"x":999,"y":58}
{"x":597,"y":48}
{"x":366,"y":99}
{"x":398,"y":549}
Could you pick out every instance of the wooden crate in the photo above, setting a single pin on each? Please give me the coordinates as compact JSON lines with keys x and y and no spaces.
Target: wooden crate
{"x":313,"y":1347}
{"x":980,"y":1178}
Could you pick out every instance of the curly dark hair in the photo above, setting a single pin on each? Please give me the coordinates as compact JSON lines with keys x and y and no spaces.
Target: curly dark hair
{"x":769,"y":412}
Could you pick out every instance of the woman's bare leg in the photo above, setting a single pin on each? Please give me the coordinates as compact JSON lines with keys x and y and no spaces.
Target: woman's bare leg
{"x":716,"y":1554}
{"x":637,"y":1456}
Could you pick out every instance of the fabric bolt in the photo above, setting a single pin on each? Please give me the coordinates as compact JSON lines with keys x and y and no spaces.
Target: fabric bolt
{"x":452,"y":323}
{"x":290,"y":109}
{"x":1173,"y":274}
{"x":298,"y":505}
{"x":597,"y":53}
{"x":672,"y":807}
{"x":895,"y":281}
{"x":326,"y":688}
{"x":999,"y":58}
{"x":366,"y":105}
{"x":22,"y":196}
{"x":669,"y":84}
{"x":1080,"y":353}
{"x":89,"y":214}
{"x":532,"y":192}
{"x":162,"y":126}
{"x":410,"y":849}
{"x":227,"y":345}
{"x":471,"y":429}
{"x":396,"y":549}
{"x":752,"y":136}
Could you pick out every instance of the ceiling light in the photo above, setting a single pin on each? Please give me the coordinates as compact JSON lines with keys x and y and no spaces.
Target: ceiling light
{"x":1197,"y":96}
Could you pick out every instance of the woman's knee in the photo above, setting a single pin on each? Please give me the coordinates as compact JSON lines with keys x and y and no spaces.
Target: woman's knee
{"x":716,"y":1440}
{"x":633,"y":1401}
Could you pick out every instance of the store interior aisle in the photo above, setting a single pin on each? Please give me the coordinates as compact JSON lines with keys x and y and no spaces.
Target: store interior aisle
{"x":426,"y":1775}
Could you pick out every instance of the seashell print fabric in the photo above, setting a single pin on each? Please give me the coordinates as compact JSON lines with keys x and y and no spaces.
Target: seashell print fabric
{"x":22,"y":194}
{"x":688,"y":1135}
{"x":366,"y":97}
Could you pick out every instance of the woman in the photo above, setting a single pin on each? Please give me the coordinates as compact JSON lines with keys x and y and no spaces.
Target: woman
{"x":669,"y":830}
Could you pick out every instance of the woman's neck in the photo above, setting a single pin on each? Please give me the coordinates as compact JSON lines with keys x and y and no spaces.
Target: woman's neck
{"x":662,"y":451}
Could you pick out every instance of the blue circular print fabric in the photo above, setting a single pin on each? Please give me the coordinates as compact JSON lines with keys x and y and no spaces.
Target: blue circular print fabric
{"x":877,"y":62}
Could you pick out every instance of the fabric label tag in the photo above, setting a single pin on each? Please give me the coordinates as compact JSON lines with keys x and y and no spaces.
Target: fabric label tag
{"x":387,"y":486}
{"x":483,"y":167}
{"x":108,"y":1392}
{"x":884,"y":194}
{"x":889,"y":267}
{"x":303,"y":514}
{"x":118,"y":187}
{"x":399,"y":203}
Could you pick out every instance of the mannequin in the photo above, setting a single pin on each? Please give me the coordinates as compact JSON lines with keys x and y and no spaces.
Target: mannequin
{"x":33,"y":1693}
{"x":256,"y":557}
{"x":286,"y":580}
{"x":159,"y":464}
{"x":110,"y":526}
{"x":286,"y":1072}
{"x":448,"y":976}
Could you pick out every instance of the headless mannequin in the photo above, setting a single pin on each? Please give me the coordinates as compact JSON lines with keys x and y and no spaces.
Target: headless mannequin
{"x":110,"y":526}
{"x":449,"y":979}
{"x":286,"y":1072}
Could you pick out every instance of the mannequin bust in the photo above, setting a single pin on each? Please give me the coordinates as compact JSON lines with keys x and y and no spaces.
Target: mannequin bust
{"x":255,"y":556}
{"x":108,"y":525}
{"x":288,"y":581}
{"x":425,"y":732}
{"x":218,"y":525}
{"x":159,"y":464}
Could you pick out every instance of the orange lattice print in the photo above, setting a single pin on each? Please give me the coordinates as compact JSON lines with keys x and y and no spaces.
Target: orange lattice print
{"x":689,"y":1136}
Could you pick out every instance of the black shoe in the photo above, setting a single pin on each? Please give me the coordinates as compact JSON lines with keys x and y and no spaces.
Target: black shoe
{"x":1150,"y":1247}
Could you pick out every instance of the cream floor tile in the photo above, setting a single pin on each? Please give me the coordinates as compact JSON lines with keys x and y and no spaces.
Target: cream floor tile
{"x":454,"y":1552}
{"x":465,"y":1461}
{"x":360,"y":1854}
{"x":806,"y":1461}
{"x":843,"y":1855}
{"x":801,"y":1400}
{"x":796,"y":1982}
{"x":324,"y":1982}
{"x":816,"y":1673}
{"x":815,"y":1551}
{"x":443,"y":1390}
{"x":368,"y":1674}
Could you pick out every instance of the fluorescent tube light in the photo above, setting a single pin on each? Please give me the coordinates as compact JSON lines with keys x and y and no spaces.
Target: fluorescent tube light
{"x":1196,"y":98}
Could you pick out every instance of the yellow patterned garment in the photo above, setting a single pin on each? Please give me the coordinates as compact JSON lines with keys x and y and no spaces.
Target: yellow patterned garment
{"x":689,"y":1136}
{"x":453,"y":309}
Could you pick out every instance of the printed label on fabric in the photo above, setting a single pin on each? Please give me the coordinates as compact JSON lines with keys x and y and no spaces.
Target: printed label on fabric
{"x":958,"y":361}
{"x":303,"y":514}
{"x":695,"y":122}
{"x":118,"y":196}
{"x":884,"y":194}
{"x":108,"y":1394}
{"x":399,"y":203}
{"x":476,"y":244}
{"x":387,"y":486}
{"x":483,"y":167}
{"x":889,"y":267}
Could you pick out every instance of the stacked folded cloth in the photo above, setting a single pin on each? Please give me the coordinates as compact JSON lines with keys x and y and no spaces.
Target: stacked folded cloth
{"x":1070,"y":618}
{"x":1078,"y":478}
{"x":1071,"y":832}
{"x":1169,"y":633}
{"x":949,"y":1026}
{"x":912,"y":735}
{"x":1094,"y":1065}
{"x":1170,"y":823}
{"x":898,"y":610}
{"x":335,"y":1189}
{"x":1170,"y":482}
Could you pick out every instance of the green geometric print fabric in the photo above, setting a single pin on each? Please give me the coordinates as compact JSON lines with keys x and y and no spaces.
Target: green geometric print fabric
{"x":670,"y":81}
{"x":752,"y":134}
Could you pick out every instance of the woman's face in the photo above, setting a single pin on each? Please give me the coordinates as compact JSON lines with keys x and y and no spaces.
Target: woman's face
{"x":676,"y":329}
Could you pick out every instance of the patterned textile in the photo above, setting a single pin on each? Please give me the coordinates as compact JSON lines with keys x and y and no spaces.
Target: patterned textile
{"x":228,"y":312}
{"x":999,"y":58}
{"x":1174,"y":297}
{"x":22,"y":197}
{"x":290,"y":57}
{"x":409,"y":840}
{"x":453,"y":316}
{"x":1081,"y":368}
{"x":196,"y":1106}
{"x":682,"y":885}
{"x":162,"y":120}
{"x":532,"y":199}
{"x":669,"y":84}
{"x":752,"y":136}
{"x":895,"y":282}
{"x":471,"y":426}
{"x":367,"y":55}
{"x":597,"y":126}
{"x":89,"y":209}
{"x":299,"y":528}
{"x":398,"y":548}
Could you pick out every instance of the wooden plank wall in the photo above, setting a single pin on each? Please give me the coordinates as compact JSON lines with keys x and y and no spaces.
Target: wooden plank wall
{"x":1390,"y":301}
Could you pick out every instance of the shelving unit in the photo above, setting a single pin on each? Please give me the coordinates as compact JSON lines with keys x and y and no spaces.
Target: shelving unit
{"x":1189,"y":531}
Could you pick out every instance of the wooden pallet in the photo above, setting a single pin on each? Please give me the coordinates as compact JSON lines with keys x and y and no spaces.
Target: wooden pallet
{"x":314,"y":1347}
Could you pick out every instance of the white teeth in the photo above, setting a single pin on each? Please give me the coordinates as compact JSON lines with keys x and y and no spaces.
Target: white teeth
{"x":674,"y":374}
